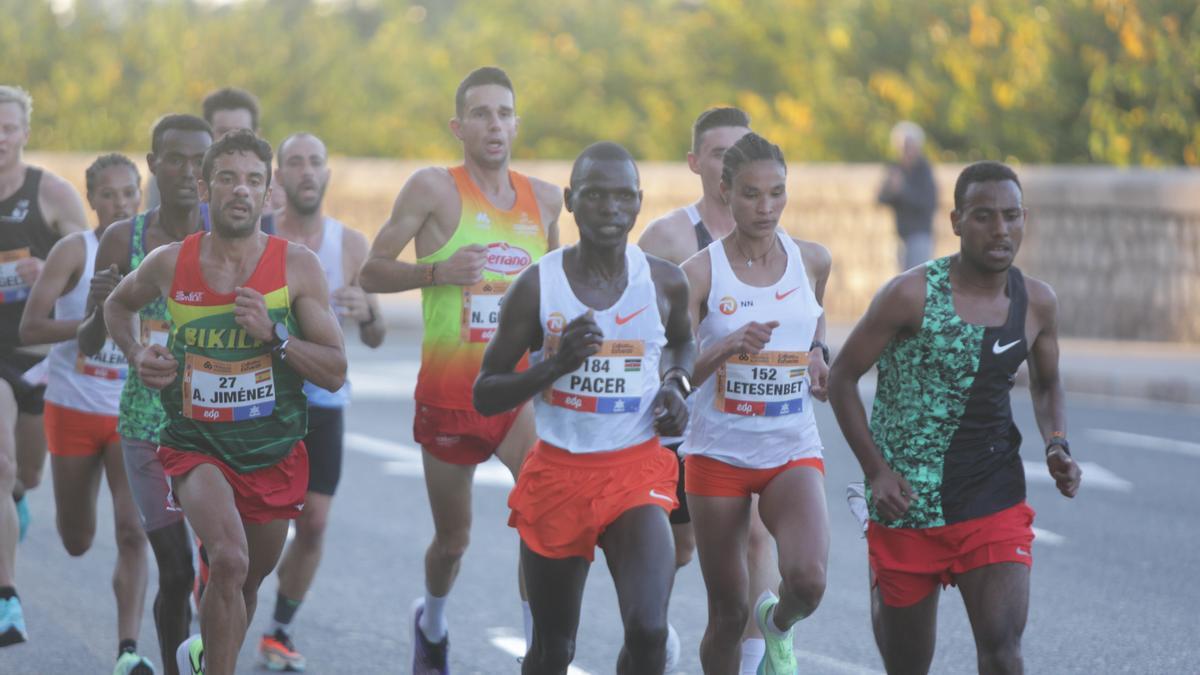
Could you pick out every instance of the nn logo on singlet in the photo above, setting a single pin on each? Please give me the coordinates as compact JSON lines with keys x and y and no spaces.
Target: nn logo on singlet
{"x":189,"y":296}
{"x":506,"y":259}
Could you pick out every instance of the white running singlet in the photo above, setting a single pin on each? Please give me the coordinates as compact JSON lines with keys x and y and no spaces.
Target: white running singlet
{"x":606,"y":404}
{"x":755,"y":411}
{"x":90,"y":384}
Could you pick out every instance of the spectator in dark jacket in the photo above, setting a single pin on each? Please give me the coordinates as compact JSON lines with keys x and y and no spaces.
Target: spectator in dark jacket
{"x":910,"y":191}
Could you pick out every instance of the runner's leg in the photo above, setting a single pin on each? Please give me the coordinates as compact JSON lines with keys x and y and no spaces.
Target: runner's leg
{"x":721,"y":525}
{"x":264,"y":544}
{"x":641,"y":559}
{"x":172,"y":547}
{"x":906,"y":636}
{"x":76,"y":481}
{"x":516,"y":444}
{"x":449,"y":489}
{"x":760,"y":561}
{"x":997,"y":601}
{"x":8,"y":477}
{"x":555,"y":597}
{"x":132,"y":569}
{"x":208,"y":502}
{"x":793,"y":509}
{"x":31,"y":450}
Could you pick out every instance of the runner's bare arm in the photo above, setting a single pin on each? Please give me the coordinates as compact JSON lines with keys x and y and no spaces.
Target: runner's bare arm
{"x":371,"y":327}
{"x":63,"y":265}
{"x":62,"y":205}
{"x":895,"y":311}
{"x":498,"y":388}
{"x":1045,"y":385}
{"x":550,"y":202}
{"x":817,"y":262}
{"x":113,"y":250}
{"x":415,"y":209}
{"x":679,"y":354}
{"x":751,"y":338}
{"x":318,"y":353}
{"x":152,"y":279}
{"x":669,"y":237}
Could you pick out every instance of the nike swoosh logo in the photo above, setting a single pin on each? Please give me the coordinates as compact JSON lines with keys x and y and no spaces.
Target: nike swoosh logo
{"x":657,"y":495}
{"x":998,"y":348}
{"x":780,"y":296}
{"x":1021,"y":551}
{"x":622,"y":320}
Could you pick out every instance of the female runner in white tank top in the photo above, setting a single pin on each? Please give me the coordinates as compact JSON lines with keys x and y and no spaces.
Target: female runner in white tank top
{"x":82,"y":393}
{"x":756,"y":305}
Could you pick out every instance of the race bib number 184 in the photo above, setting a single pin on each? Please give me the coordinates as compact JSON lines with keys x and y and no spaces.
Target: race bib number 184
{"x":610,"y":381}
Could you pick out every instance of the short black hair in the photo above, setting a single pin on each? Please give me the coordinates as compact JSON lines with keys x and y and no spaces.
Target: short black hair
{"x":279,"y":151}
{"x":478,"y":77}
{"x":176,"y":122}
{"x":231,"y":98}
{"x":602,"y":151}
{"x":241,"y":140}
{"x":749,"y":148}
{"x":107,"y":161}
{"x":982,"y":172}
{"x":717,"y":117}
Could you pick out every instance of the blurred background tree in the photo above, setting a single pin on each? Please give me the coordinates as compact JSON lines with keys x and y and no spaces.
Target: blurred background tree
{"x":1064,"y":81}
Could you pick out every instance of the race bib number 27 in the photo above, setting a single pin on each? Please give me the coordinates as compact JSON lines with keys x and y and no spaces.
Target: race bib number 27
{"x":227,"y":391}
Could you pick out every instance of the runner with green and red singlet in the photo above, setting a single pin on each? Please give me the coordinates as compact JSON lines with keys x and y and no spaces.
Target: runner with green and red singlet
{"x":941,"y":454}
{"x":177,"y":147}
{"x":475,"y":227}
{"x":250,"y":322}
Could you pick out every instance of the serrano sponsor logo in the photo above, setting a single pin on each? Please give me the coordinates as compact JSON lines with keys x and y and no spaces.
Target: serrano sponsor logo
{"x":555,"y":323}
{"x":728,"y":305}
{"x":622,"y":320}
{"x":506,"y":259}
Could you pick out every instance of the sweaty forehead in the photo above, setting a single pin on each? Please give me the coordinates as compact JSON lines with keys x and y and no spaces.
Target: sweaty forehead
{"x":187,"y":141}
{"x":608,"y":173}
{"x":996,"y":194}
{"x":487,"y":95}
{"x":242,"y":161}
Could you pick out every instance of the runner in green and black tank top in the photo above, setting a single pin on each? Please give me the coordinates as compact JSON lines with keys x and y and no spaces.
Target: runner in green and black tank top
{"x":234,"y":398}
{"x":947,"y":426}
{"x":141,"y":412}
{"x":941,"y":454}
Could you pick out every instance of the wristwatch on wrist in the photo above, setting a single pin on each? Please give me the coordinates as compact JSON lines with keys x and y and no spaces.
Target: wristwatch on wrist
{"x":1060,"y":441}
{"x":680,"y":375}
{"x":823,"y":347}
{"x":279,"y":331}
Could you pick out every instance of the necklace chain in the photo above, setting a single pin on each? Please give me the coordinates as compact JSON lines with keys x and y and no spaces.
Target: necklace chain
{"x":749,"y":260}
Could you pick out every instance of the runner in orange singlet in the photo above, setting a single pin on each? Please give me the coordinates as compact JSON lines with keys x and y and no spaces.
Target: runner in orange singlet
{"x":475,"y":228}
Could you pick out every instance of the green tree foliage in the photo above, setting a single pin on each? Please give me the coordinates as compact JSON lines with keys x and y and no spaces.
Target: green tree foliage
{"x":1065,"y":81}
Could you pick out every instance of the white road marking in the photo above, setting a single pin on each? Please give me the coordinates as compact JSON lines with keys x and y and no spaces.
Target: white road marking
{"x":1094,"y":477}
{"x":1047,"y":537}
{"x":828,"y":664}
{"x":1126,"y":439}
{"x":508,"y":642}
{"x":380,"y":448}
{"x":405,"y":460}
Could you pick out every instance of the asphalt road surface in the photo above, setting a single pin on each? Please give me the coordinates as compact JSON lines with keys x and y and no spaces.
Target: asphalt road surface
{"x":1113,"y":590}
